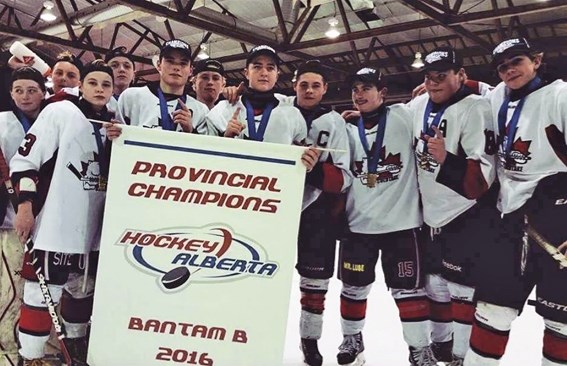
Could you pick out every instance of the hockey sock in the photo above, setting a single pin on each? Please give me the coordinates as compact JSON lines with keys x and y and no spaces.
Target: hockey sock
{"x":439,"y":308}
{"x":490,"y":333}
{"x":353,"y":308}
{"x":35,"y":321}
{"x":76,"y":314}
{"x":413,"y":308}
{"x":312,"y":306}
{"x":462,"y":309}
{"x":554,"y":344}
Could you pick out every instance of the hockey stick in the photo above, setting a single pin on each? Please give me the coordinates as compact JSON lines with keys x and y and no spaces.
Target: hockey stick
{"x":57,"y":324}
{"x":548,"y":247}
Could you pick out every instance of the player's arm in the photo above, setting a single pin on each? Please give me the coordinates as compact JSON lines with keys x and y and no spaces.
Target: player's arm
{"x":122,"y":112}
{"x":38,"y":148}
{"x":331,"y":173}
{"x":471,"y":172}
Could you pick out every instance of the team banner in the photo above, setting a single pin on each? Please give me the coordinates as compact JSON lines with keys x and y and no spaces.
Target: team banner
{"x":198,"y":251}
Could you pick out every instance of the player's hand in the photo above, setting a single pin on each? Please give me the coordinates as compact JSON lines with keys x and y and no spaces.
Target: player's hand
{"x":113,"y":129}
{"x":184,"y":117}
{"x":420,"y":89}
{"x":310,"y":157}
{"x":350,"y":114}
{"x":24,"y":221}
{"x":436,"y":145}
{"x":15,"y":63}
{"x":234,"y":127}
{"x":231,"y":93}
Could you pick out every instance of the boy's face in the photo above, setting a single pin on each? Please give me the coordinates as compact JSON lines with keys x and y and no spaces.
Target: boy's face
{"x":366,"y":96}
{"x":519,"y":70}
{"x":27,"y":95}
{"x":65,"y":75}
{"x":309,"y":89}
{"x":442,"y":85}
{"x":174,"y":68}
{"x":97,"y":89}
{"x":208,"y":85}
{"x":123,"y":70}
{"x":262,"y":73}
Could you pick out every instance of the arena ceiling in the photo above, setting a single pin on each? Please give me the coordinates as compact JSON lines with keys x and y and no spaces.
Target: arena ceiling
{"x":381,"y":34}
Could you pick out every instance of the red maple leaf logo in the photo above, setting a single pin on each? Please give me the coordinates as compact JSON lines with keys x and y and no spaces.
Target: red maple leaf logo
{"x":522,"y":146}
{"x":392,"y":159}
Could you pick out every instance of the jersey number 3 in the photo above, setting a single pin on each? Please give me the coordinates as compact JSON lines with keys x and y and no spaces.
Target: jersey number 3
{"x":27,"y":144}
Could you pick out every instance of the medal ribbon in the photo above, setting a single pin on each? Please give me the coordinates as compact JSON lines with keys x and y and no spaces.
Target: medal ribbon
{"x":257,"y":135}
{"x":373,"y":156}
{"x":510,"y":132}
{"x":166,"y":120}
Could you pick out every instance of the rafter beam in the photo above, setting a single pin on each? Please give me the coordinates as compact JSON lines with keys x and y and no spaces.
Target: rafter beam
{"x":347,"y":28}
{"x":281,"y":21}
{"x":421,"y":7}
{"x":4,"y":29}
{"x":551,"y":5}
{"x":307,"y":23}
{"x":231,"y":32}
{"x":65,"y":18}
{"x":188,"y":7}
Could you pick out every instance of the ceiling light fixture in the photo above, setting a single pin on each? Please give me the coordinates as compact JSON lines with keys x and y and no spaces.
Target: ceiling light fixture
{"x":47,"y":14}
{"x":333,"y":32}
{"x":418,"y":62}
{"x":203,"y":55}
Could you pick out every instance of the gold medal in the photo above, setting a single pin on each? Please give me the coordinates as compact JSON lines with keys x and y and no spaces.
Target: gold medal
{"x":101,"y":183}
{"x":371,"y":179}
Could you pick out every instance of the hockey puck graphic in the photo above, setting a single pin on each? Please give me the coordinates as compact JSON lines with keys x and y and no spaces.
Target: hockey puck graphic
{"x":175,"y":278}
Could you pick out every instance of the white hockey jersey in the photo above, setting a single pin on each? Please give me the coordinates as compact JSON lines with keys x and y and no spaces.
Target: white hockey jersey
{"x":112,"y":105}
{"x":60,"y":150}
{"x":285,"y":126}
{"x":329,"y":131}
{"x":539,"y":146}
{"x":393,"y":204}
{"x":139,"y":106}
{"x":11,"y":135}
{"x":450,"y":189}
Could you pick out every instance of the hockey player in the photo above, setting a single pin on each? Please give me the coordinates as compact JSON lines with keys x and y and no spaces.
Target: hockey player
{"x":266,"y":118}
{"x":530,"y":117}
{"x":123,"y":66}
{"x":208,"y":82}
{"x":61,"y":169}
{"x":383,"y":214}
{"x":330,"y":176}
{"x":28,"y":92}
{"x":66,"y":73}
{"x":455,"y":159}
{"x":165,"y":105}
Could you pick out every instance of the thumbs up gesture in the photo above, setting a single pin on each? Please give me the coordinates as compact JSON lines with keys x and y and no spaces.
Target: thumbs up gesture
{"x":234,"y":126}
{"x":436,"y":145}
{"x":184,"y":117}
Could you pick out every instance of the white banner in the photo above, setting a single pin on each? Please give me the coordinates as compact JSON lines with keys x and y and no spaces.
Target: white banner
{"x":198,"y":251}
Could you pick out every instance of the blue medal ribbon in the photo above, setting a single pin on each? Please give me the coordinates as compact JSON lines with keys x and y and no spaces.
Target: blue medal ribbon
{"x":26,"y":124}
{"x":510,"y":133}
{"x":257,"y":135}
{"x":373,"y":157}
{"x":428,"y":128}
{"x":166,"y":120}
{"x":103,"y":162}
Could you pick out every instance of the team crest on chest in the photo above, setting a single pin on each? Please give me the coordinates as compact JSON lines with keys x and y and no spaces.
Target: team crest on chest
{"x":388,"y":169}
{"x":89,"y":173}
{"x":518,"y":157}
{"x":424,"y":160}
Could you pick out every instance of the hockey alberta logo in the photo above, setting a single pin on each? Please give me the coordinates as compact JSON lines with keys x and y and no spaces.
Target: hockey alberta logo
{"x":388,"y":169}
{"x":181,"y":256}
